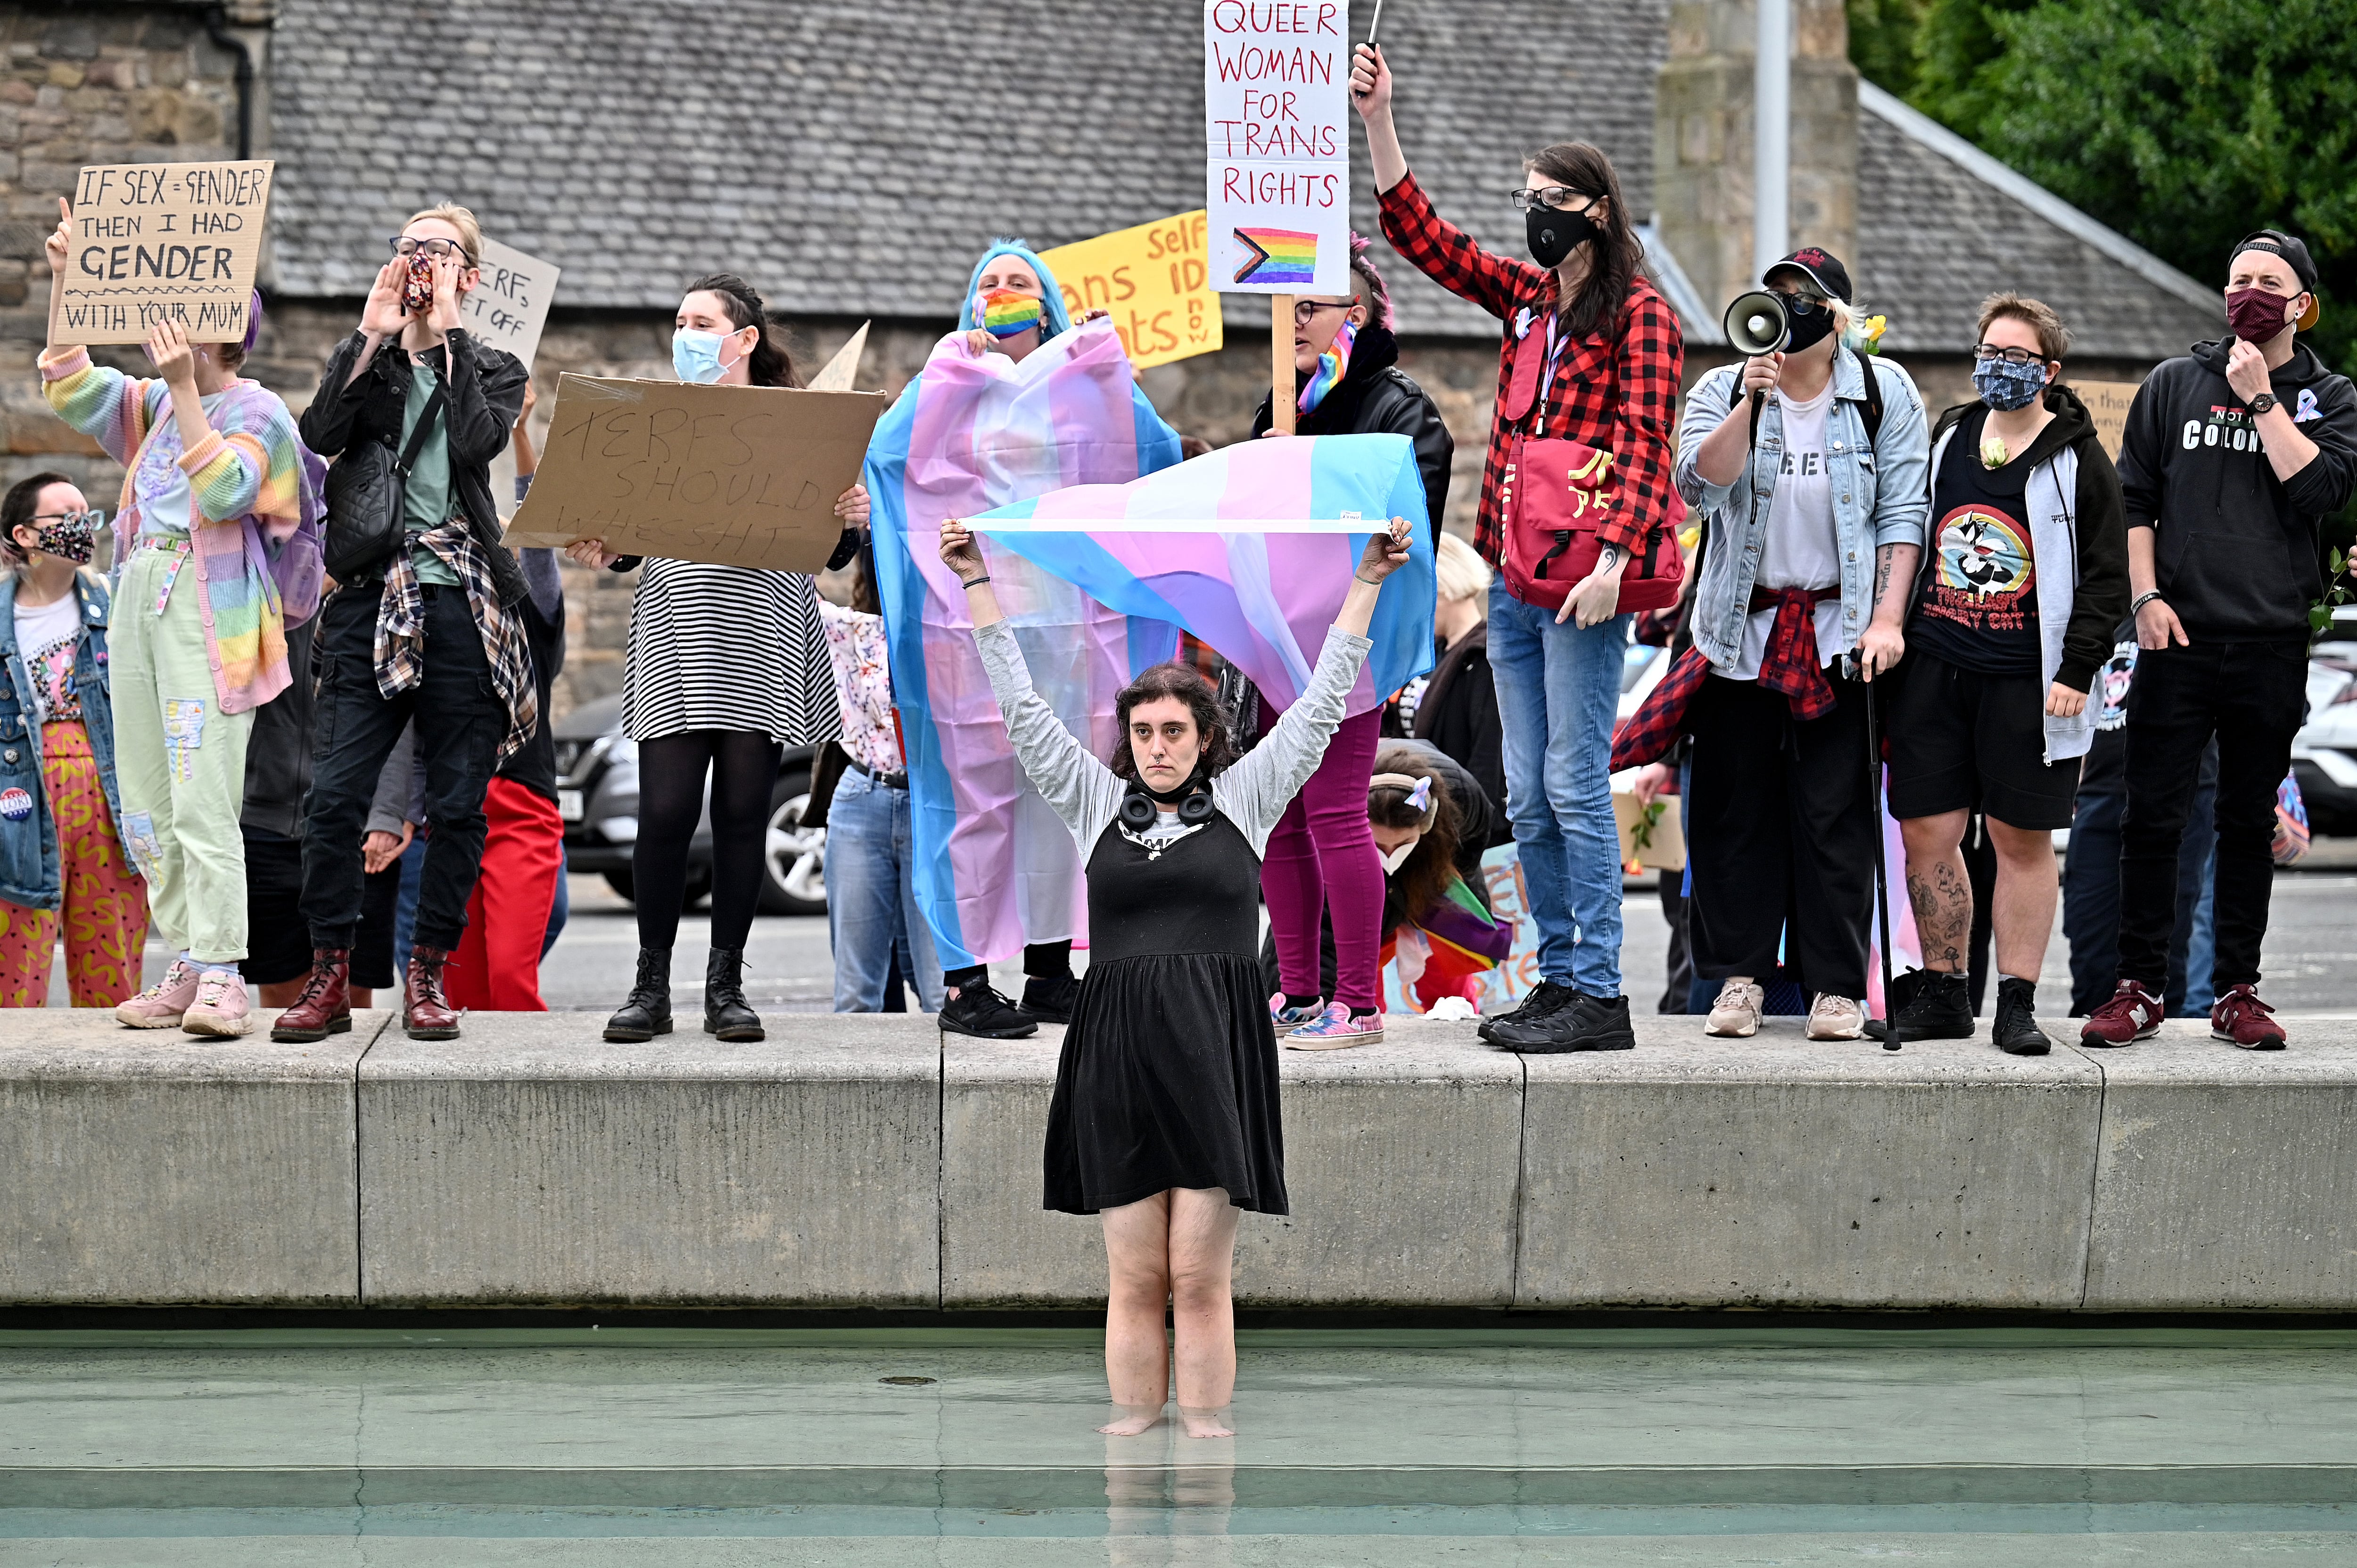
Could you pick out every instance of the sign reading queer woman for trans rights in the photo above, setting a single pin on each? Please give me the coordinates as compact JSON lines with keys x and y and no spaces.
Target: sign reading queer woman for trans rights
{"x":158,"y":242}
{"x":1276,"y":92}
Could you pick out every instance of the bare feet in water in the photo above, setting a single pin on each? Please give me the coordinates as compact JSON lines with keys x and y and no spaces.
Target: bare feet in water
{"x":1205,"y":1423}
{"x":1129,"y":1420}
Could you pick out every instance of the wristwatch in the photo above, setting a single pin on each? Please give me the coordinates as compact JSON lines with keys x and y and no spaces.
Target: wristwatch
{"x":2263,"y":403}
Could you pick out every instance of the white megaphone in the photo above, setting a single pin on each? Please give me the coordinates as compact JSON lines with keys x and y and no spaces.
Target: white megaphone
{"x":1756,"y":323}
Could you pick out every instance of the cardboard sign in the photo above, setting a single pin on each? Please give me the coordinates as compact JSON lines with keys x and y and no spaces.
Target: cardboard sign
{"x":157,"y":242}
{"x":1276,"y":102}
{"x":509,"y":306}
{"x":733,"y":476}
{"x":2107,"y":404}
{"x":1154,"y":279}
{"x":1651,"y":837}
{"x":838,"y":373}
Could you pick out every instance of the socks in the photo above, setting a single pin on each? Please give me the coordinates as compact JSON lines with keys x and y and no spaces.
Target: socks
{"x":1310,"y":1001}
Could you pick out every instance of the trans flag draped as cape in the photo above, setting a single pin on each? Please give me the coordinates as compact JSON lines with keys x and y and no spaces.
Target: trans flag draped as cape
{"x":1250,"y":549}
{"x":995,"y":866}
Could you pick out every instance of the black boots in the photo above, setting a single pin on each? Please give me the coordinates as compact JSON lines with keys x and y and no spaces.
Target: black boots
{"x":2017,"y":1032}
{"x":725,"y":1011}
{"x":1941,"y":1007}
{"x":648,"y":1012}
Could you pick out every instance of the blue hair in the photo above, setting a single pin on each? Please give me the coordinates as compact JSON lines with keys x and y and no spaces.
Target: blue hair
{"x":1059,"y":318}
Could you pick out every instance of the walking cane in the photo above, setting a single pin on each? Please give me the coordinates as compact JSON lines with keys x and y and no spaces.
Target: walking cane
{"x":1881,"y":871}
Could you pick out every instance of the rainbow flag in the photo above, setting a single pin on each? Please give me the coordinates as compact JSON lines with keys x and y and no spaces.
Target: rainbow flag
{"x":1006,"y":313}
{"x":1251,"y":549}
{"x":1459,"y":942}
{"x":996,"y":867}
{"x":1277,"y":255}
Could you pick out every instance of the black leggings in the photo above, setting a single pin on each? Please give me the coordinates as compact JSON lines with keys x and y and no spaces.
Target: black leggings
{"x":744,"y":767}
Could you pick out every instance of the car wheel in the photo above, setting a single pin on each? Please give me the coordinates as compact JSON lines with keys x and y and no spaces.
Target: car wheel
{"x":699,"y":887}
{"x":794,"y":858}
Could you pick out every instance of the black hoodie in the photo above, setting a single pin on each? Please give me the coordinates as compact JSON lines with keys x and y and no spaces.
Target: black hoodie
{"x":1375,"y":395}
{"x":2235,"y":547}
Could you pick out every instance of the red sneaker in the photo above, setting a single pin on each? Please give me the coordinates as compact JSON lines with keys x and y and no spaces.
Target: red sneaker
{"x":2242,"y":1018}
{"x":2131,"y":1014}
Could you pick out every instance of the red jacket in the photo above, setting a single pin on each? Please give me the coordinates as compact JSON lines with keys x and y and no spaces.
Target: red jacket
{"x":1616,"y":391}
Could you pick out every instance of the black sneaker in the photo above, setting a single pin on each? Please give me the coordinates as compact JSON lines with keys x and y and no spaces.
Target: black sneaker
{"x":1937,"y":1006}
{"x":1051,"y":1000}
{"x":1587,"y":1023}
{"x":982,"y":1012}
{"x":2016,"y":1031}
{"x":1544,"y":999}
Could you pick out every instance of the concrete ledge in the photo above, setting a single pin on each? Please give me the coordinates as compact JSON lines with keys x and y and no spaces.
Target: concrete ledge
{"x":152,"y":1167}
{"x":1777,"y":1171}
{"x":531,"y":1162}
{"x":2227,"y":1178}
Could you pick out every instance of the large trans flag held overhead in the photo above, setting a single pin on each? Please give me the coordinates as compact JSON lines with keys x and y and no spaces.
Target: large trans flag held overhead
{"x":996,"y":867}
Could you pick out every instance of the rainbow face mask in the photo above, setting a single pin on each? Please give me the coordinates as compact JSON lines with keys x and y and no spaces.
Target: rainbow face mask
{"x":1332,"y":366}
{"x":1006,"y":313}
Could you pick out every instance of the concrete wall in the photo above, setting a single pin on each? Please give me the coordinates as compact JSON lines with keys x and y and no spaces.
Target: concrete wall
{"x":866,"y":1163}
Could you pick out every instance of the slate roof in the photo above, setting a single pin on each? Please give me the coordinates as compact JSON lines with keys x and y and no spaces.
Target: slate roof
{"x":851,"y":156}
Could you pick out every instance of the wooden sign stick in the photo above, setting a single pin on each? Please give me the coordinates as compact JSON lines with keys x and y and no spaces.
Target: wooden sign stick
{"x":1281,"y":399}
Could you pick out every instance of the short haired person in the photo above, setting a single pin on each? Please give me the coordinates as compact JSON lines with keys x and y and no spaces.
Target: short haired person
{"x":1319,"y":866}
{"x":2234,"y":455}
{"x":1816,"y":523}
{"x":2025,"y":575}
{"x":1165,"y":1119}
{"x":217,"y":546}
{"x":431,"y":628}
{"x":1600,"y":354}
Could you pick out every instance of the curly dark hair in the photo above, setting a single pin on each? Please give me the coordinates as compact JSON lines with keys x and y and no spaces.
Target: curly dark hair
{"x":1423,"y":878}
{"x":772,"y":366}
{"x":1202,"y":699}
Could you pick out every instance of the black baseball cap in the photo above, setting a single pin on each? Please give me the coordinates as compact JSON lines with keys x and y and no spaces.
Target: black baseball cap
{"x":1823,"y":269}
{"x":2293,"y":252}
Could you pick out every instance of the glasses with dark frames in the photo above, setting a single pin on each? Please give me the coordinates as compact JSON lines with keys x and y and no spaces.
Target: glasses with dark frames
{"x":405,"y":247}
{"x":2010,"y":356}
{"x":1557,"y":197}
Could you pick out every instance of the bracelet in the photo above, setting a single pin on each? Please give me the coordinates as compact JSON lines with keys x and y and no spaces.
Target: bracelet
{"x":2141,"y":600}
{"x":975,"y":582}
{"x":1376,"y":584}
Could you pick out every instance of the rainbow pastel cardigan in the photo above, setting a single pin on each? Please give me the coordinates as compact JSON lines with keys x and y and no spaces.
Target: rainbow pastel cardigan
{"x":256,"y":492}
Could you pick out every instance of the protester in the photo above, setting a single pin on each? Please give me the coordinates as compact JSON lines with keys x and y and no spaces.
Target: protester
{"x":216,"y":481}
{"x":1456,"y":707}
{"x":725,"y":667}
{"x":1591,"y":354}
{"x":2014,"y":607}
{"x":1321,"y":858}
{"x":61,"y":858}
{"x":430,"y":628}
{"x":1165,"y":1117}
{"x":2234,"y":454}
{"x":1811,"y":560}
{"x":872,"y":924}
{"x":497,"y":966}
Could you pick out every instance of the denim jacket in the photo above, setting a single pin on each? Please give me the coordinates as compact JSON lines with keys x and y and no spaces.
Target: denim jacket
{"x":29,"y":877}
{"x":1880,"y":496}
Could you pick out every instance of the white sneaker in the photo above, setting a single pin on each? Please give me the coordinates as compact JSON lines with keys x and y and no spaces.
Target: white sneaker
{"x":1737,"y":1011}
{"x":1835,"y":1018}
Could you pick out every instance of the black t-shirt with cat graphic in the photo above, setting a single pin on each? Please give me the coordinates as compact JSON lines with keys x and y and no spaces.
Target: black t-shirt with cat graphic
{"x":1977,"y":604}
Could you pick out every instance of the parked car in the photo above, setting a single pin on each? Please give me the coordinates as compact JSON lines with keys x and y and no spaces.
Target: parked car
{"x":597,"y":796}
{"x":2324,"y":752}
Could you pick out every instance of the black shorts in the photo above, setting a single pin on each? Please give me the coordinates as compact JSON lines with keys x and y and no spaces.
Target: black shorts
{"x":1960,"y":738}
{"x":277,"y":941}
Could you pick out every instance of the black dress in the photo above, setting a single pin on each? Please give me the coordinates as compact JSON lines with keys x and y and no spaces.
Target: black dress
{"x":1169,"y":1075}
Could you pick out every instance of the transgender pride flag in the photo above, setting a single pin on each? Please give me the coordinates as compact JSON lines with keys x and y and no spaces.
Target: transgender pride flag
{"x":1251,"y":549}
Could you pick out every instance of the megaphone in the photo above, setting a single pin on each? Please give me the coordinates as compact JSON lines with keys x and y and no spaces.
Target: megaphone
{"x":1756,"y":322}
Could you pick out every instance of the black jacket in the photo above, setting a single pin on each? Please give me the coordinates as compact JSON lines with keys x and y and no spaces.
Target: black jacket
{"x":2100,"y":597}
{"x":486,"y":394}
{"x":1376,"y":396}
{"x":1459,"y":715}
{"x":279,"y":749}
{"x":2234,"y":547}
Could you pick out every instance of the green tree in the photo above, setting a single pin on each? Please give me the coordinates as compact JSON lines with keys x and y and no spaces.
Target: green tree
{"x":1882,"y":42}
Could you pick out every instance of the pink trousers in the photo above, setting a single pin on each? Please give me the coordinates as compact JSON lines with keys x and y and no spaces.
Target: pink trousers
{"x":1322,"y":856}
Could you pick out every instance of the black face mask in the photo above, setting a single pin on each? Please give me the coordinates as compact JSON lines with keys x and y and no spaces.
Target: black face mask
{"x":1809,"y":327}
{"x":1555,"y":235}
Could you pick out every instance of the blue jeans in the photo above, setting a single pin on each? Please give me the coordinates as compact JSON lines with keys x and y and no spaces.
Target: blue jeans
{"x":871,"y":918}
{"x":1557,"y":689}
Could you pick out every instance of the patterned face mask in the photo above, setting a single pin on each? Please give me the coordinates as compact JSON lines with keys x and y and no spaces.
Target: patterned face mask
{"x":71,"y":535}
{"x":1006,"y":313}
{"x":1332,"y":366}
{"x":2005,"y":386}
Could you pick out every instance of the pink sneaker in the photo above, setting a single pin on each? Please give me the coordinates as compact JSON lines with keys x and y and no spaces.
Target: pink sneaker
{"x":1334,"y":1030}
{"x":220,"y":1007}
{"x":1288,"y":1019}
{"x":162,"y":1004}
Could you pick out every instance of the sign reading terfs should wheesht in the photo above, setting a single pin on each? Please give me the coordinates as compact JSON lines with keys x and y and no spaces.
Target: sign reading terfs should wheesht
{"x":1276,"y":98}
{"x":152,"y":242}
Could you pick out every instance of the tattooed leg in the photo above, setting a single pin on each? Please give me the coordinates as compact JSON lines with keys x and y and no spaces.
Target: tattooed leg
{"x":1938,"y":889}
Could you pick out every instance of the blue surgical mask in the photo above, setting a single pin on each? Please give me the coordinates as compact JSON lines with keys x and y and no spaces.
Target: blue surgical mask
{"x":2005,"y":386}
{"x":695,"y":356}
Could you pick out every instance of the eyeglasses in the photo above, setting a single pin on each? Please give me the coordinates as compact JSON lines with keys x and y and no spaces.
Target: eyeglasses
{"x":1558,"y":197}
{"x":2010,"y":356}
{"x":1801,"y":304}
{"x":94,"y":518}
{"x":1306,"y":310}
{"x":405,"y":247}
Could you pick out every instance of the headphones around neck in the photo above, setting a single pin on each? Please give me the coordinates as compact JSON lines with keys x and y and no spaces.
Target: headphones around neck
{"x":1139,"y":808}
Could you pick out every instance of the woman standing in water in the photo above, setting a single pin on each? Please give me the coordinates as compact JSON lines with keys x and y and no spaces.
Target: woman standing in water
{"x":1165,"y":1119}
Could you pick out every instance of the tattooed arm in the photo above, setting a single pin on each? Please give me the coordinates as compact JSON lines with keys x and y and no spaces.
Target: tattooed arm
{"x":1894,"y":579}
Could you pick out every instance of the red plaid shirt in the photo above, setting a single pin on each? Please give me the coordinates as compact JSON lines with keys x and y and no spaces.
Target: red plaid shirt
{"x":1617,"y":393}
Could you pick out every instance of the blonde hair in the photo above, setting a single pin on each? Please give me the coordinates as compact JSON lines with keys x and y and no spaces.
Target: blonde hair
{"x":471,"y":234}
{"x":2053,"y":338}
{"x":1457,"y":572}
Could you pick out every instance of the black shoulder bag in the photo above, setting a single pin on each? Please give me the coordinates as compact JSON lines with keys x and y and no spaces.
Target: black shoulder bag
{"x":368,"y":492}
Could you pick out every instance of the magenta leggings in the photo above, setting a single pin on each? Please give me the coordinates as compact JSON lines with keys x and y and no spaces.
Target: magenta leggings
{"x":1322,"y":854}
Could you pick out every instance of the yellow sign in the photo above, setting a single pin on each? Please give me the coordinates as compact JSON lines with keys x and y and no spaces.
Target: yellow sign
{"x":2107,"y":405}
{"x":1153,"y":280}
